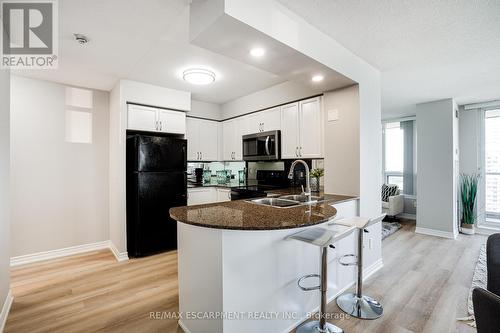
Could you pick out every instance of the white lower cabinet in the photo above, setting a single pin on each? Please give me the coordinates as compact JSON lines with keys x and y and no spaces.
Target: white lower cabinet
{"x":200,"y":196}
{"x":206,"y":195}
{"x":223,"y":195}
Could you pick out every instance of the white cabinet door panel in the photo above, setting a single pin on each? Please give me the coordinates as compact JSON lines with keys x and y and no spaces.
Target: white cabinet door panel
{"x":310,"y":128}
{"x":197,"y":196}
{"x":271,"y":119}
{"x":240,"y":127}
{"x":252,"y":123}
{"x":192,"y":136}
{"x":172,"y":121}
{"x":142,"y":118}
{"x":223,"y":195}
{"x":208,"y":140}
{"x":289,"y":130}
{"x":228,"y":135}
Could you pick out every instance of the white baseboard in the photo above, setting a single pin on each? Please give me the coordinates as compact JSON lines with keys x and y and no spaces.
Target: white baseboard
{"x":407,"y":216}
{"x":367,"y":273}
{"x":68,"y":251}
{"x":5,"y":310}
{"x":120,"y":256}
{"x":433,"y":232}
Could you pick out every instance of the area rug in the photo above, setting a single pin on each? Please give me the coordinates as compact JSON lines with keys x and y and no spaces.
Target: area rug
{"x":388,"y":228}
{"x":479,"y":280}
{"x":480,"y":277}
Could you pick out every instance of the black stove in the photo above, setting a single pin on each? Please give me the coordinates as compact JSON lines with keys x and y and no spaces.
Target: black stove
{"x":267,"y":180}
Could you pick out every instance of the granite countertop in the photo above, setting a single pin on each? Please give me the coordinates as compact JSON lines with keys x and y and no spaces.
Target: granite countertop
{"x":243,"y":215}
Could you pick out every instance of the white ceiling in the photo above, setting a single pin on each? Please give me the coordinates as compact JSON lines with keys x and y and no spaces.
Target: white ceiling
{"x":148,"y":41}
{"x":426,"y":50}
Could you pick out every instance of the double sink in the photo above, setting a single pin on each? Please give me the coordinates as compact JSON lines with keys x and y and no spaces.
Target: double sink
{"x":287,"y":201}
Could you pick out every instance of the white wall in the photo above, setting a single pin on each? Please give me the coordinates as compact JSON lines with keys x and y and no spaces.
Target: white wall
{"x":342,"y":137}
{"x":436,"y":164}
{"x":59,"y":188}
{"x":274,"y":95}
{"x":4,"y":189}
{"x":205,"y":110}
{"x":130,"y":91}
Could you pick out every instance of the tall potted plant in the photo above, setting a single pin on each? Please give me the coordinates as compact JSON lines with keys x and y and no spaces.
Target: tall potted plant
{"x":468,"y":193}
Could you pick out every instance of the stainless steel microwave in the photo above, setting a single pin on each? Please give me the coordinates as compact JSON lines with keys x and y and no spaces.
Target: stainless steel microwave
{"x":263,"y":146}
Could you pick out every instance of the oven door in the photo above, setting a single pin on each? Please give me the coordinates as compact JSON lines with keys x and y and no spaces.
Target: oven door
{"x":261,"y":146}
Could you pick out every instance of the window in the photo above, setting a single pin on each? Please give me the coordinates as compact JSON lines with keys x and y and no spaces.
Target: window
{"x":492,"y":163}
{"x":398,"y":159}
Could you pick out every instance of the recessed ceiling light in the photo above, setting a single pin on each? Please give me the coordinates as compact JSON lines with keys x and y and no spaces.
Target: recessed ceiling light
{"x":257,"y":52}
{"x":199,"y":76}
{"x":317,"y":78}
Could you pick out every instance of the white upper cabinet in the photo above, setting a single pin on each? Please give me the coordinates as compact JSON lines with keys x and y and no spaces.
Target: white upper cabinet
{"x":264,"y":121}
{"x":208,"y":143}
{"x":142,"y":118}
{"x":146,"y":118}
{"x":202,"y":136}
{"x":232,"y":132}
{"x":172,"y":121}
{"x":310,"y":128}
{"x":192,"y":136}
{"x":301,"y":129}
{"x":290,"y":140}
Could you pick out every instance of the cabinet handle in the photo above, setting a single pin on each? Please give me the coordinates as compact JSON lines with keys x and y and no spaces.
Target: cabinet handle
{"x":229,"y":195}
{"x":201,"y":155}
{"x":160,"y":125}
{"x":156,"y":125}
{"x":296,"y":153}
{"x":300,"y":151}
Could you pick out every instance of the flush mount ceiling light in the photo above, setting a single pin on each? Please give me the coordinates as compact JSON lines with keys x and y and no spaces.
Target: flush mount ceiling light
{"x":257,"y":52}
{"x":317,"y":78}
{"x":198,"y":76}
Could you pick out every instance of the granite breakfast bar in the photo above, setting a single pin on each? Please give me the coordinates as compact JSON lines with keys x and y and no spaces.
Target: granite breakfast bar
{"x":236,"y":267}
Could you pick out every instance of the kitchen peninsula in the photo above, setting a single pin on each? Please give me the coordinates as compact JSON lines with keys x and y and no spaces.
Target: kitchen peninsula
{"x":234,"y":262}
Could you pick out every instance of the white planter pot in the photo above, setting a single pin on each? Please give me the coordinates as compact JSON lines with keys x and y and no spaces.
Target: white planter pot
{"x":467,"y":229}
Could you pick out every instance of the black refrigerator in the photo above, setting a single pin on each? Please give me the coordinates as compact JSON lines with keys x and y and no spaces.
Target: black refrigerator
{"x":156,"y":181}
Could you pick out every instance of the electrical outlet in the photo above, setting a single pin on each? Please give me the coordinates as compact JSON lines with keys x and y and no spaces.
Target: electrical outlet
{"x":333,"y":115}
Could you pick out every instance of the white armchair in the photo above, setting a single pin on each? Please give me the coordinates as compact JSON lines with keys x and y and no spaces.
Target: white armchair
{"x":394,"y":206}
{"x":393,"y":202}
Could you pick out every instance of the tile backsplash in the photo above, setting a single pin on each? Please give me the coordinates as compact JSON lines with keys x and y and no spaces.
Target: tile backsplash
{"x":216,"y":166}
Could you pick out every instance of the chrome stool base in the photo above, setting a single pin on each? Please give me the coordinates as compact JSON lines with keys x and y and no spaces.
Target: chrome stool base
{"x":313,"y":327}
{"x":363,"y":307}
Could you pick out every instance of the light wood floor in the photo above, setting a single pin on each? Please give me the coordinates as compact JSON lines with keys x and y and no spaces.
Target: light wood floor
{"x":423,"y":287}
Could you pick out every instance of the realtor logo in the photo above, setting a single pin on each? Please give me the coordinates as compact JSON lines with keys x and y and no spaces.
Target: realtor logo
{"x":29,"y":36}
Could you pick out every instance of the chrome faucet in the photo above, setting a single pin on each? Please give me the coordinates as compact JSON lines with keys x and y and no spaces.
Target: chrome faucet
{"x":307,"y":192}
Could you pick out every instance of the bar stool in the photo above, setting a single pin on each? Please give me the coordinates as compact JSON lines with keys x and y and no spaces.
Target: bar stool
{"x":324,"y":239}
{"x":357,"y":304}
